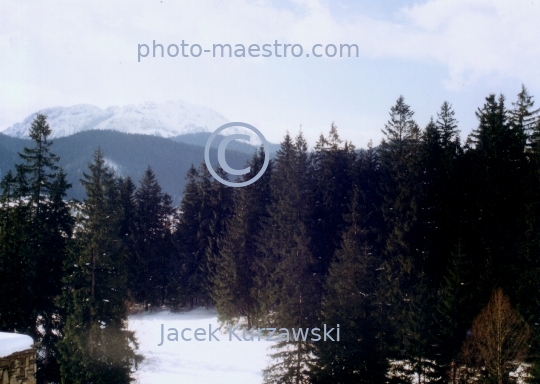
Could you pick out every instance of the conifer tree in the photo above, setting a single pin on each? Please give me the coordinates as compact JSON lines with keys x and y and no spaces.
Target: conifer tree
{"x":153,"y":213}
{"x":435,"y":236}
{"x":292,"y":293}
{"x":496,"y":199}
{"x":524,"y":118}
{"x":367,"y":186}
{"x":404,"y":258}
{"x":442,"y":161}
{"x":333,"y":163}
{"x":399,"y":158}
{"x":498,"y":206}
{"x":127,"y":202}
{"x":126,"y":233}
{"x":204,"y":211}
{"x":454,"y":313}
{"x":17,"y":307}
{"x":219,"y":208}
{"x":40,"y":166}
{"x":234,"y":287}
{"x":447,"y":128}
{"x":97,"y":347}
{"x":188,"y":240}
{"x":37,"y":243}
{"x":350,"y":302}
{"x":57,"y":229}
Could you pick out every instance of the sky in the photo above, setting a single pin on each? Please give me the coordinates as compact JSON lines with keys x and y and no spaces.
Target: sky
{"x":62,"y":53}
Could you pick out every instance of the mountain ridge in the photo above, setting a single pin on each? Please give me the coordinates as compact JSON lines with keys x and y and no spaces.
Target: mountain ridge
{"x":175,"y":120}
{"x":169,"y":119}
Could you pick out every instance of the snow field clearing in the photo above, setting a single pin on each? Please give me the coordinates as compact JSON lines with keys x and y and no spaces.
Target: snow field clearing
{"x":194,"y":361}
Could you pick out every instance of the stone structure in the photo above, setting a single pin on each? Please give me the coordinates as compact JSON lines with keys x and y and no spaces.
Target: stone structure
{"x":17,"y":359}
{"x":18,"y":368}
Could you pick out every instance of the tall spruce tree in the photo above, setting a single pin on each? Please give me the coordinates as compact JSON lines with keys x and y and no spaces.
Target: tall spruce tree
{"x":204,"y":211}
{"x":350,"y":302}
{"x":497,"y":206}
{"x":454,"y":314}
{"x":400,"y":150}
{"x":234,"y":287}
{"x":219,"y":206}
{"x":36,"y":245}
{"x":154,"y":278}
{"x":188,"y":239}
{"x":292,"y":293}
{"x":59,"y":227}
{"x":524,"y":117}
{"x":436,"y":235}
{"x":367,"y":186}
{"x":403,"y":277}
{"x":333,"y":162}
{"x":97,"y":347}
{"x":127,"y":230}
{"x":17,"y":307}
{"x":496,"y":198}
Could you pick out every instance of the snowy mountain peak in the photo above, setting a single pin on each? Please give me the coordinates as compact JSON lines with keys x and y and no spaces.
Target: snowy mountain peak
{"x":169,"y":119}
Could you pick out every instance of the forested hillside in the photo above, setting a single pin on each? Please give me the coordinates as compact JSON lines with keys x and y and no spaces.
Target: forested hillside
{"x":424,"y":248}
{"x":201,"y":138}
{"x":127,"y":154}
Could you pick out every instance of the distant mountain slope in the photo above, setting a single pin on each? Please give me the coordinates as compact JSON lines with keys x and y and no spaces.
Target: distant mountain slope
{"x":128,"y":154}
{"x":169,"y":119}
{"x":177,"y":120}
{"x":9,"y":147}
{"x":236,"y":145}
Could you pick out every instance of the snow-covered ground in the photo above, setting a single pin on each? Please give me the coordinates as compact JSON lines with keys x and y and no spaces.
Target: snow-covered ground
{"x":195,"y":361}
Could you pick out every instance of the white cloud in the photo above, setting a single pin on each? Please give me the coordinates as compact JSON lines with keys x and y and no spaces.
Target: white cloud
{"x":64,"y":52}
{"x":479,"y":38}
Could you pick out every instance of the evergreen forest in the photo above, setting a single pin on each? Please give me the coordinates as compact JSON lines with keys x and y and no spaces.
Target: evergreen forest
{"x":424,"y":248}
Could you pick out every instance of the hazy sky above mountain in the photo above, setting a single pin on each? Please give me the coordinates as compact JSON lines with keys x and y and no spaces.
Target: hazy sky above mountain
{"x":65,"y":53}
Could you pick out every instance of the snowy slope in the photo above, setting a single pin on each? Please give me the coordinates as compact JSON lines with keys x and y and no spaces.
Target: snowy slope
{"x":14,"y":342}
{"x":169,"y":119}
{"x":226,"y":362}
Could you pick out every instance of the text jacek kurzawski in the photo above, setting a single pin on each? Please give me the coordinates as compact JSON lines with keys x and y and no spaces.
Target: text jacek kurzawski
{"x":242,"y":334}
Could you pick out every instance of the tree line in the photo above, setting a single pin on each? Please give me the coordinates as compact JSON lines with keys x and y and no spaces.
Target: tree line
{"x":425,"y":249}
